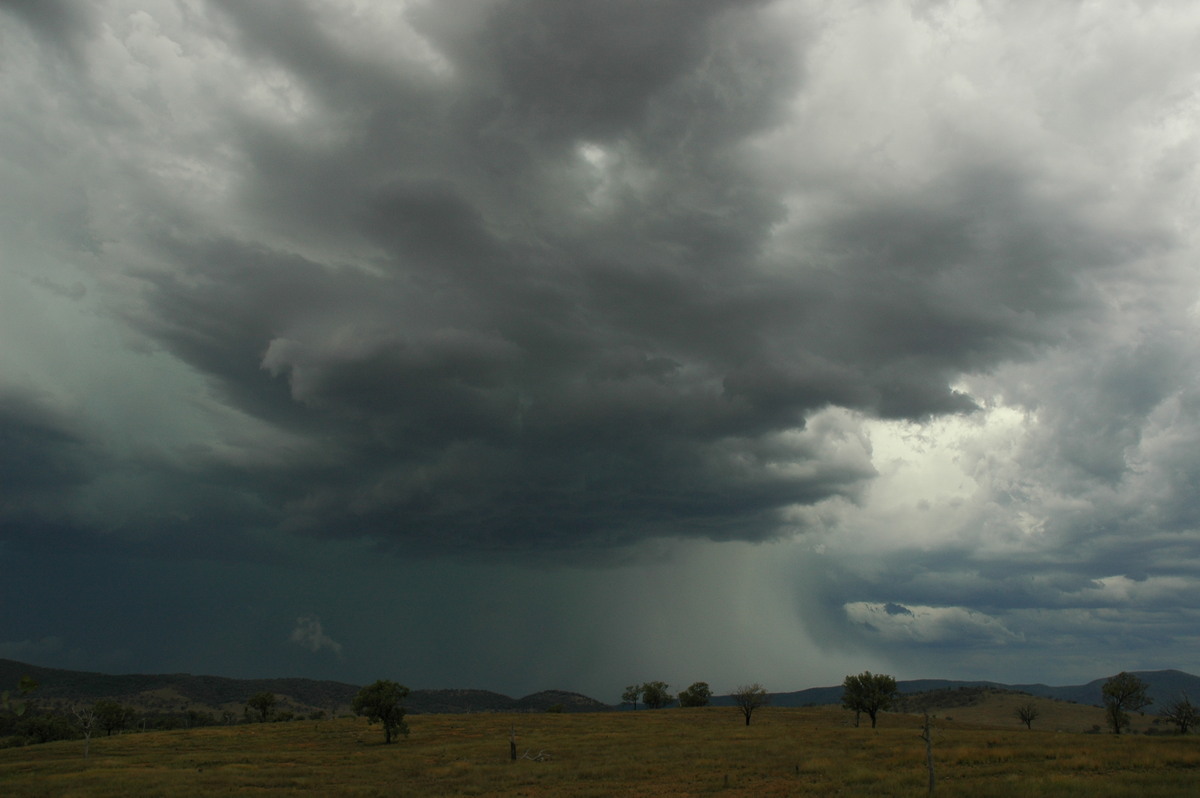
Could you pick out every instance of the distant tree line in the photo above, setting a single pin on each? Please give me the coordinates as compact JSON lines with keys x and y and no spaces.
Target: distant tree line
{"x":38,"y":721}
{"x":25,"y":720}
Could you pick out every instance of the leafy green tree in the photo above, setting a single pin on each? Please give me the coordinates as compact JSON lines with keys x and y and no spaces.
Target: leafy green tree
{"x":1123,"y":693}
{"x":382,"y":702}
{"x":1182,"y":713}
{"x":868,"y":692}
{"x":698,"y":695}
{"x":632,"y":694}
{"x":111,"y":716}
{"x":749,"y":698}
{"x":46,"y":728}
{"x":26,"y":686}
{"x":656,"y":695}
{"x":1027,"y":714}
{"x":263,"y":704}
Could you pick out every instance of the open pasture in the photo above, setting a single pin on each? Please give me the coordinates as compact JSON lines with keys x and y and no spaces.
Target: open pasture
{"x":674,"y":752}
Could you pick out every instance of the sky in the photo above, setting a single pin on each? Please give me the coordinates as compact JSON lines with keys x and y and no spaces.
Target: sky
{"x":526,"y":344}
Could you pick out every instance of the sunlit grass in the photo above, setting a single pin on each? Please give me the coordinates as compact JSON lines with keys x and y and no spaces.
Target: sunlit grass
{"x":646,"y":753}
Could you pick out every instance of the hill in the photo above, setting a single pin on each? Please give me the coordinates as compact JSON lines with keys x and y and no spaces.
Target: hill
{"x":455,"y":701}
{"x":176,"y":692}
{"x":1165,"y":686}
{"x":181,"y":692}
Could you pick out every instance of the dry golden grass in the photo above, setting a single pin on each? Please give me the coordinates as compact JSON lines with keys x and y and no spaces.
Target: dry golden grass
{"x":675,"y":752}
{"x":999,"y":710}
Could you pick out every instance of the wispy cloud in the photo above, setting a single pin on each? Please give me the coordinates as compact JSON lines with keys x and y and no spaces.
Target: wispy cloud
{"x":309,"y":634}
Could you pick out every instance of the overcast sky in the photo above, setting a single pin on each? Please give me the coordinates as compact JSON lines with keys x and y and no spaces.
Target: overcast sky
{"x":526,"y":344}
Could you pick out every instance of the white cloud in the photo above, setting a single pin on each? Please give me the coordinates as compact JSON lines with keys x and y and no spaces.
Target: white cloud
{"x":311,"y":635}
{"x":959,"y":626}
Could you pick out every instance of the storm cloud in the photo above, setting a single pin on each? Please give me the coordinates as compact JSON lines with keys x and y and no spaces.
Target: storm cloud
{"x":901,"y":293}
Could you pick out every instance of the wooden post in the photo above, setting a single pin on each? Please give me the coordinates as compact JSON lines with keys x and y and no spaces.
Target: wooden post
{"x":927,"y":736}
{"x":512,"y":743}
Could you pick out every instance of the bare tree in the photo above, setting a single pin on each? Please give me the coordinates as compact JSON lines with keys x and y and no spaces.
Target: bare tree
{"x":86,"y":716}
{"x":749,"y":698}
{"x":1027,"y":714}
{"x":1182,"y":713}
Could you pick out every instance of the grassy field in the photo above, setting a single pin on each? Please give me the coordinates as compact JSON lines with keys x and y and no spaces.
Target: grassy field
{"x":999,"y":710}
{"x":810,"y":751}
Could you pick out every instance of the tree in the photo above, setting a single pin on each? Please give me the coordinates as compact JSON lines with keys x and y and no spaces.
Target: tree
{"x":111,"y":716}
{"x":1182,"y":713}
{"x":698,"y":695}
{"x":263,"y":704}
{"x":656,"y":695}
{"x":869,"y":692}
{"x":25,"y":686}
{"x":1027,"y":714}
{"x":86,"y":716}
{"x":632,"y":694}
{"x":382,"y":702}
{"x":749,"y":698}
{"x":1122,"y":694}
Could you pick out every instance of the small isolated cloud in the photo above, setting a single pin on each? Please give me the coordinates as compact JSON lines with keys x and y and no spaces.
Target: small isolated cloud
{"x":899,"y":624}
{"x":310,"y":634}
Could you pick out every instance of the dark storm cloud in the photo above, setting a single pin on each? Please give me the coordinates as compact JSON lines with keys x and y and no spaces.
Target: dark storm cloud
{"x":292,"y":282}
{"x":504,"y":384}
{"x":569,"y":324}
{"x":42,"y":449}
{"x":61,"y":23}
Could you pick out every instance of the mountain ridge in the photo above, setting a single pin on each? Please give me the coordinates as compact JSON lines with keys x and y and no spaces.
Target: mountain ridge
{"x":1164,"y":686}
{"x":183,"y":691}
{"x":169,"y":692}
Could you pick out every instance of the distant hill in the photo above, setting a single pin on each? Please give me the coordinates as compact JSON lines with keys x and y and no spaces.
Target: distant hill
{"x":451,"y":701}
{"x":1165,"y":686}
{"x":172,"y":692}
{"x":179,"y":692}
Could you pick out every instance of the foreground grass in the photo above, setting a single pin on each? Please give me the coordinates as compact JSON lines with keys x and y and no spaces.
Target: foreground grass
{"x":667,"y":752}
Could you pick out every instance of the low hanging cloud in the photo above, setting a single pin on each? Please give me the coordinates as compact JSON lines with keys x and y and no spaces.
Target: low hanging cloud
{"x":310,"y":634}
{"x":959,"y":626}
